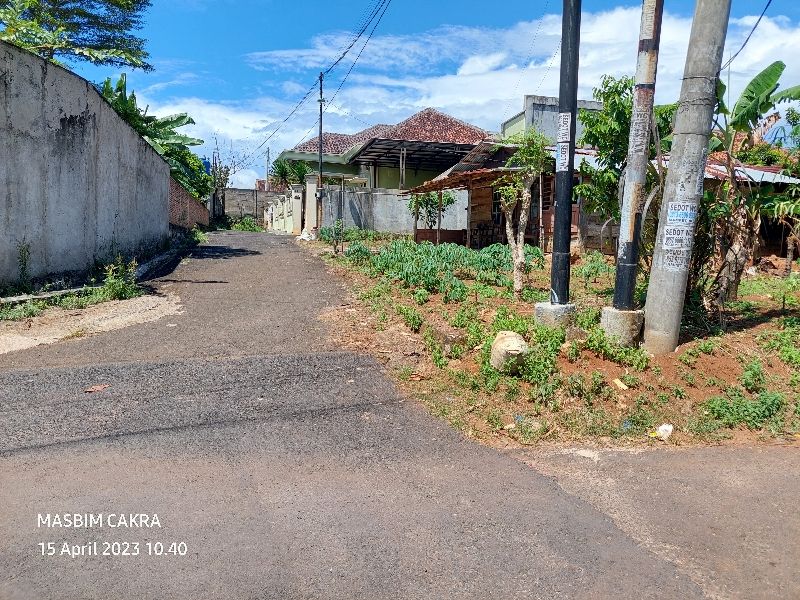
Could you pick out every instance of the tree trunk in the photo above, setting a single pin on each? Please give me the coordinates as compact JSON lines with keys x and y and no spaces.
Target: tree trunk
{"x":515,"y":232}
{"x":508,"y":212}
{"x":736,"y":257}
{"x":790,"y":246}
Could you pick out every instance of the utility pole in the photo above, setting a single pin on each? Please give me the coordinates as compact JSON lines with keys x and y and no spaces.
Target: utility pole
{"x":266,"y":184}
{"x":621,"y":320}
{"x":319,"y":176}
{"x":684,"y":184}
{"x":558,"y":310}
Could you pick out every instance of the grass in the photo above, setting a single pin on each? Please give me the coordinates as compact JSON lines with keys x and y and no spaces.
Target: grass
{"x":564,"y":389}
{"x":119,"y":283}
{"x":786,"y":340}
{"x":734,"y":408}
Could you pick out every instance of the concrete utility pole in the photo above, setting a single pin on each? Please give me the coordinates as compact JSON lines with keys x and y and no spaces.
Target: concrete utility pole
{"x":318,"y":203}
{"x":621,"y":321}
{"x":558,"y":310}
{"x":684,"y":185}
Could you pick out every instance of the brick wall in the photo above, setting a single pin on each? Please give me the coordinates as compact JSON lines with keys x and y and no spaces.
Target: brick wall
{"x":184,"y":210}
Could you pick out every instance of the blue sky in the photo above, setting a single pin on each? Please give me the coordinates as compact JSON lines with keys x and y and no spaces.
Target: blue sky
{"x":239,"y":66}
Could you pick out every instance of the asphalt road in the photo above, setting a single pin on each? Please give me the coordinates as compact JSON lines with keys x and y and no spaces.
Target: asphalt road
{"x":289,"y":470}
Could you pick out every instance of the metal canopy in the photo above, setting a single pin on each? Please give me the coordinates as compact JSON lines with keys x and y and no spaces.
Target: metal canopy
{"x":429,"y":156}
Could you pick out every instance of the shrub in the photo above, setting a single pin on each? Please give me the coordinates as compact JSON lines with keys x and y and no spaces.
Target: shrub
{"x":598,"y":343}
{"x":358,"y":253}
{"x":594,"y":265}
{"x":753,"y":377}
{"x":411,"y":316}
{"x":246,"y":223}
{"x":421,"y":295}
{"x":442,"y":268}
{"x":734,"y":408}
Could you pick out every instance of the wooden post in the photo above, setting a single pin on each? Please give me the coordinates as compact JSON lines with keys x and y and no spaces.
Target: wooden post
{"x":541,"y":214}
{"x":416,"y":219}
{"x":439,"y":220}
{"x":469,"y":215}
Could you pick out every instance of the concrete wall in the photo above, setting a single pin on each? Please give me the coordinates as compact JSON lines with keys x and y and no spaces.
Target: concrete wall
{"x":384,"y":210}
{"x":541,"y":112}
{"x":240,"y":202}
{"x":513,"y":126}
{"x":78,"y":184}
{"x":184,"y":210}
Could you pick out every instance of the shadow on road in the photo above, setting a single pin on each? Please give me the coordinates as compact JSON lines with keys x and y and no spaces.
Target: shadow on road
{"x":221,"y":252}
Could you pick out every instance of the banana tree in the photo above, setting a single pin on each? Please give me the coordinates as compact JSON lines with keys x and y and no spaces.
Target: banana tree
{"x":161,"y":134}
{"x":786,"y":210}
{"x":742,"y":202}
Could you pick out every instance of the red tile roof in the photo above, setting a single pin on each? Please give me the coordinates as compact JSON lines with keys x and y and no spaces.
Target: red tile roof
{"x":428,"y":125}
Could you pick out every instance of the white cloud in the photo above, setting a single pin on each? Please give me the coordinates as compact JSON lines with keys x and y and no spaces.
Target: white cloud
{"x":482,"y":63}
{"x":477,"y":74}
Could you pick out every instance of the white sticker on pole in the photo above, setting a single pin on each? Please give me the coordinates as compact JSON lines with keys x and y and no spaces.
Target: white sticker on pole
{"x":677,"y":236}
{"x":564,"y":122}
{"x":681,"y":213}
{"x":562,"y":157}
{"x":675,"y":259}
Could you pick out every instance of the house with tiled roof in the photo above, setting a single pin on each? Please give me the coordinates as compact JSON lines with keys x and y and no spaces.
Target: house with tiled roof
{"x":389,"y":158}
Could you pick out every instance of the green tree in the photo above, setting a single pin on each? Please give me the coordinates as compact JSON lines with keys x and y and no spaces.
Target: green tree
{"x":281,"y":173}
{"x":95,"y":30}
{"x":286,"y":172}
{"x":530,"y":159}
{"x":187,"y":168}
{"x":607,"y":131}
{"x":427,"y":206}
{"x":738,"y":205}
{"x":299,"y":170}
{"x":161,"y":134}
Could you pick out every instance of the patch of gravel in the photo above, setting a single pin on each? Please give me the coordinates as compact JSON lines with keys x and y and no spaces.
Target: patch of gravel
{"x":56,"y":324}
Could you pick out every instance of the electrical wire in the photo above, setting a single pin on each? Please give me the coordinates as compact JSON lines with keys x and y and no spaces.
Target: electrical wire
{"x":358,"y":35}
{"x":527,"y":60}
{"x":747,"y":39}
{"x":369,"y":37}
{"x":251,"y":156}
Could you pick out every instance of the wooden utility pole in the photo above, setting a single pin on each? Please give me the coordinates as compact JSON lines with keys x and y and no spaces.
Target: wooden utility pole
{"x":621,"y":320}
{"x":684,"y":184}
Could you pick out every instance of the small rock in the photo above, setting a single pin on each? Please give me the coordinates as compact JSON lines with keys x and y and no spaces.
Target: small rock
{"x":508,"y":352}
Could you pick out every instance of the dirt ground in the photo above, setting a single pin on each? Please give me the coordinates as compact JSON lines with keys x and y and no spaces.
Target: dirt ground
{"x":675,"y":386}
{"x":56,"y":324}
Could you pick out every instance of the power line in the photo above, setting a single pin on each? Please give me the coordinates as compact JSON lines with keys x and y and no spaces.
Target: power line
{"x":347,"y":113}
{"x":549,"y":66}
{"x":382,"y":4}
{"x":376,"y":9}
{"x":747,"y":39}
{"x":530,"y":56}
{"x":369,"y":37}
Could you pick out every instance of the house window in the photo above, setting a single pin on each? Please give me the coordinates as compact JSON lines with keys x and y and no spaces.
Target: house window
{"x":497,"y":211}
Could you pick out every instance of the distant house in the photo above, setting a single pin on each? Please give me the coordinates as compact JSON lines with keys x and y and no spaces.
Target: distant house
{"x":479,"y":171}
{"x":373,"y":166}
{"x":541,"y":113}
